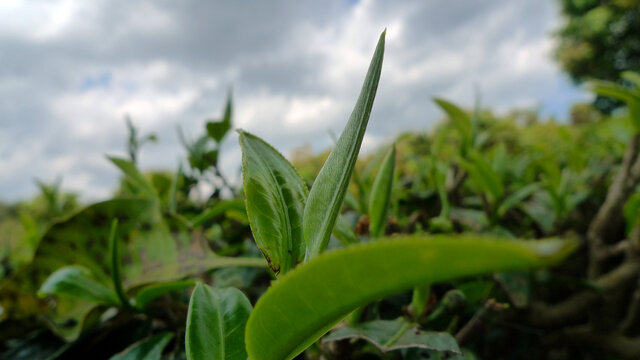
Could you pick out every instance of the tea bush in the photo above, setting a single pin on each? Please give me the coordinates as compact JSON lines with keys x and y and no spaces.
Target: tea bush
{"x":489,"y":237}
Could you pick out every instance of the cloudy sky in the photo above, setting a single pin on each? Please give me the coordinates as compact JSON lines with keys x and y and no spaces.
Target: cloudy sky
{"x":70,"y":70}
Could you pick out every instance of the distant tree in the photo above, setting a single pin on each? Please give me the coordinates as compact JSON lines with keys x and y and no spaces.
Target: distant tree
{"x":600,"y":39}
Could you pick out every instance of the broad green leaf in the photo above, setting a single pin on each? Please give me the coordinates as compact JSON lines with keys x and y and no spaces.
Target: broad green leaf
{"x":275,"y":195}
{"x":396,"y":334}
{"x":215,"y":324}
{"x":344,"y":233}
{"x":328,"y":191}
{"x":306,"y":303}
{"x":460,"y":119}
{"x":114,"y":256}
{"x":148,"y":349}
{"x":218,"y":129}
{"x":77,"y":281}
{"x":381,"y":194}
{"x":153,"y":291}
{"x":517,"y":197}
{"x":141,"y":185}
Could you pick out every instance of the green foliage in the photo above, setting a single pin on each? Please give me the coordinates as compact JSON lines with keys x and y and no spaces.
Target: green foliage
{"x":76,"y":281}
{"x":216,"y":323}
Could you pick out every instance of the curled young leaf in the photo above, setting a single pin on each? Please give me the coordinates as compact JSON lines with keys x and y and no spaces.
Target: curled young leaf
{"x":275,"y":196}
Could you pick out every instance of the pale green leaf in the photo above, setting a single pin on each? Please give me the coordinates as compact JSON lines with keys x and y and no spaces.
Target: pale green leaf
{"x":275,"y":197}
{"x":379,"y":198}
{"x":215,"y":324}
{"x":77,"y":281}
{"x":328,"y":191}
{"x":307,"y":302}
{"x":396,"y":334}
{"x":138,"y":181}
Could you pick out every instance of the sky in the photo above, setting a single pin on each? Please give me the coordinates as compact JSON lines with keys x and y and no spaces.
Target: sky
{"x":71,"y":70}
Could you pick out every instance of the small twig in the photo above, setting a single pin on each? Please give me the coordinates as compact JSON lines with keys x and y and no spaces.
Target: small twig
{"x":479,"y":321}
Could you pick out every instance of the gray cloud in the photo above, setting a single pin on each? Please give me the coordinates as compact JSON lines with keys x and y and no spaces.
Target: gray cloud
{"x":71,"y":70}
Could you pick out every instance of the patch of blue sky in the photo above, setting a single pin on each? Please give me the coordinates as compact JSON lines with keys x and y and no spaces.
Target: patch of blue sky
{"x":561,"y":97}
{"x":100,"y":80}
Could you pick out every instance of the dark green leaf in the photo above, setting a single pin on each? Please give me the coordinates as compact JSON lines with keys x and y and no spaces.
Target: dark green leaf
{"x":147,"y":349}
{"x":216,"y":323}
{"x":275,"y":196}
{"x":77,"y":281}
{"x":217,"y":130}
{"x":114,"y":255}
{"x":396,"y":334}
{"x":306,"y":303}
{"x":380,"y":194}
{"x":328,"y":191}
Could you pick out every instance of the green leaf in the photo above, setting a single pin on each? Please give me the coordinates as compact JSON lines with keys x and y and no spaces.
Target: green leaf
{"x":631,"y":211}
{"x":632,"y":77}
{"x":380,"y":194}
{"x":344,"y":233}
{"x":147,"y":349}
{"x":114,"y":255}
{"x":396,"y":334}
{"x":140,"y":184}
{"x":218,"y":209}
{"x":517,"y":197}
{"x":328,"y":191}
{"x":153,"y":291}
{"x":460,"y":119}
{"x":306,"y":303}
{"x":275,"y":195}
{"x":215,"y":324}
{"x":217,"y":130}
{"x":77,"y":281}
{"x":484,"y":176}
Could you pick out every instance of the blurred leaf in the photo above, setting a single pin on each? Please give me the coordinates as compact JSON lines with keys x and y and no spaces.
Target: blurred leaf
{"x":396,"y":334}
{"x":460,"y":120}
{"x":76,"y":281}
{"x":517,"y":197}
{"x":487,"y":179}
{"x":328,"y":190}
{"x":141,"y":185}
{"x":275,"y":197}
{"x":216,"y":323}
{"x":114,"y":256}
{"x":344,"y":233}
{"x":517,"y":286}
{"x":217,"y":130}
{"x":632,"y":212}
{"x":153,"y":291}
{"x":364,"y":273}
{"x":148,"y":349}
{"x":381,"y":194}
{"x":217,"y":209}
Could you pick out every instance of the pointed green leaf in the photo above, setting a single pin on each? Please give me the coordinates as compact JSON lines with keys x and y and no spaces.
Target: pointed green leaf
{"x":78,"y":282}
{"x":381,"y":194}
{"x":484,"y":175}
{"x":219,"y":129}
{"x":275,"y":195}
{"x":460,"y":119}
{"x":517,"y":197}
{"x":307,"y":302}
{"x":153,"y":291}
{"x":140,"y":183}
{"x":396,"y":334}
{"x":148,"y":349}
{"x":328,"y":191}
{"x":217,"y":209}
{"x":215,"y":324}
